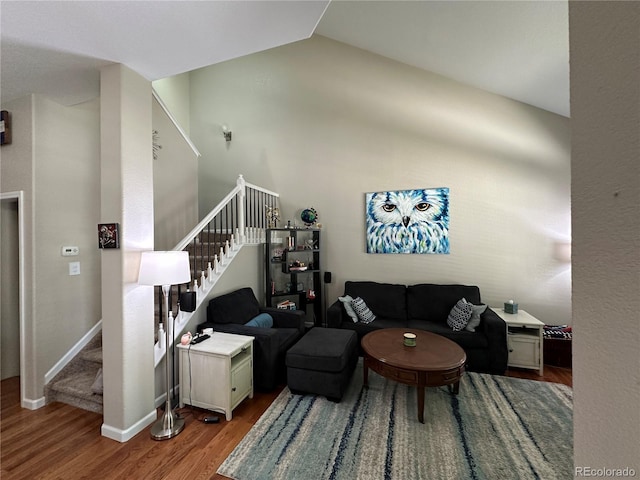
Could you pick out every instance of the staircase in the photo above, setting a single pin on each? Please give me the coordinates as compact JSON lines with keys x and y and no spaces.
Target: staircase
{"x":76,"y":383}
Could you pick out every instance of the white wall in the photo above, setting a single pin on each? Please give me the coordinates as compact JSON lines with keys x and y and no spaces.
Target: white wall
{"x":54,"y":159}
{"x":174,"y":92}
{"x":126,"y":192}
{"x":322,"y":123}
{"x":175,"y":183}
{"x":67,"y":208}
{"x":16,"y":174}
{"x":605,"y":106}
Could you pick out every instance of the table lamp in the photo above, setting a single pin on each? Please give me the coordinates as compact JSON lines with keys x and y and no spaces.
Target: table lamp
{"x":165,"y":269}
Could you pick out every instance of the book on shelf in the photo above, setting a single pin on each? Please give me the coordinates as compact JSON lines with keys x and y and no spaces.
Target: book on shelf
{"x":287,"y":305}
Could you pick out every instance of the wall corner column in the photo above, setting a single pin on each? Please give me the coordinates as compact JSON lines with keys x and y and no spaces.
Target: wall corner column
{"x":126,"y":198}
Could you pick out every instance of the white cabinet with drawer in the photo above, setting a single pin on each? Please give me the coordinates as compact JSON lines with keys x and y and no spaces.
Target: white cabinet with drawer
{"x":524,"y":339}
{"x":217,"y":374}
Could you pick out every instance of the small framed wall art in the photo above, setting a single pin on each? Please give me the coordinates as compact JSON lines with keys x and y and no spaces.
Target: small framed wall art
{"x":108,"y":235}
{"x":408,"y":221}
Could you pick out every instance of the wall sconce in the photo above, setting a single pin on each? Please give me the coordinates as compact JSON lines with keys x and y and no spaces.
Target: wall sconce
{"x":226,"y":132}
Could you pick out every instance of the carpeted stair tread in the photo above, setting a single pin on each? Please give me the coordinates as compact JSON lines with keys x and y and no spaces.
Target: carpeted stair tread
{"x":93,"y":355}
{"x":79,"y":384}
{"x":76,"y":390}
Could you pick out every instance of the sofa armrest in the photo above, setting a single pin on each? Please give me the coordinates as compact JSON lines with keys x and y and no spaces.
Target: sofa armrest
{"x":336,"y":315}
{"x":286,"y":318}
{"x":495,"y":329}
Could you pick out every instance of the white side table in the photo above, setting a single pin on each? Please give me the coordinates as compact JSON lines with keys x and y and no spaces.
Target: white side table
{"x":524,"y":339}
{"x":217,"y":374}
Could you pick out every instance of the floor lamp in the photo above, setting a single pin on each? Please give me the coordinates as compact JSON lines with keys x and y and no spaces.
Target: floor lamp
{"x":165,"y":269}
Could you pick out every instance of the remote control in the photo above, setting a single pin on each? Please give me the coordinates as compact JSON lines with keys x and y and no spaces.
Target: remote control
{"x":200,"y":338}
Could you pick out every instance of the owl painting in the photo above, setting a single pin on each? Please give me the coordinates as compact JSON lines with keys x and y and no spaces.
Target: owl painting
{"x":408,"y":221}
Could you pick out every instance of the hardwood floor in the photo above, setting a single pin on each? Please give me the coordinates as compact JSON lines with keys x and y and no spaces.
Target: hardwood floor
{"x":59,"y":441}
{"x":63,"y":442}
{"x":551,"y":374}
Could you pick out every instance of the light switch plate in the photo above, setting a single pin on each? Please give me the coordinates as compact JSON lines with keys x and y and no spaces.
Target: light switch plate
{"x":74,"y":268}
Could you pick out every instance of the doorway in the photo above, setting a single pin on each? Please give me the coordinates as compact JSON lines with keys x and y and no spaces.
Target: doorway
{"x":11,"y":286}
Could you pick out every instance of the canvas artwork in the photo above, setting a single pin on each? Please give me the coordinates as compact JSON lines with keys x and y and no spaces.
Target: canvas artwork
{"x":408,"y":221}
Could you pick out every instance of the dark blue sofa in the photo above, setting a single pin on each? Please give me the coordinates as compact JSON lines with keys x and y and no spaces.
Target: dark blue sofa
{"x":426,"y":306}
{"x":228,"y":313}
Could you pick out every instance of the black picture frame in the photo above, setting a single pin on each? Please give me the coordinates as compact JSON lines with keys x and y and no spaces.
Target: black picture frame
{"x":108,"y":235}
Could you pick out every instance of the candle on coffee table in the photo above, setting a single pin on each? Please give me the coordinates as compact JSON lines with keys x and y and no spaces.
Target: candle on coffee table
{"x":410,"y":339}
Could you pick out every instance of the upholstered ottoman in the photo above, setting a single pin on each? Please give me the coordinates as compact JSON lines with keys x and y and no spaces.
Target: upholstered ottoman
{"x":322,"y":362}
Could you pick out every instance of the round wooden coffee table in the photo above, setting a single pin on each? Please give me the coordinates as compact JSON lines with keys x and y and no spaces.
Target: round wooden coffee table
{"x":434,"y":361}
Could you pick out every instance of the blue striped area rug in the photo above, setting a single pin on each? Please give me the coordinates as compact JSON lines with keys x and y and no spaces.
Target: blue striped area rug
{"x":496,"y":428}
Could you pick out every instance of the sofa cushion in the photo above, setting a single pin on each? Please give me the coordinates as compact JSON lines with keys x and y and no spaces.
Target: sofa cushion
{"x":459,"y":315}
{"x":463,"y":338}
{"x":286,"y":338}
{"x":384,"y":299}
{"x":363,"y":328}
{"x":432,"y":302}
{"x":239,"y":307}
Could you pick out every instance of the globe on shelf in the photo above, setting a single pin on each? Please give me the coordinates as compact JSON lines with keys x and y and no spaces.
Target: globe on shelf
{"x":309,"y":216}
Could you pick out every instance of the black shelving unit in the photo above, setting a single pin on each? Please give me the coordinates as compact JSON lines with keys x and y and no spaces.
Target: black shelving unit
{"x":292,"y":270}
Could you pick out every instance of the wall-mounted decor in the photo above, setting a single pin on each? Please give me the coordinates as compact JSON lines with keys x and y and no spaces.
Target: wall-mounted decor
{"x":5,"y":127}
{"x":156,"y":146}
{"x":108,"y":235}
{"x":408,"y":221}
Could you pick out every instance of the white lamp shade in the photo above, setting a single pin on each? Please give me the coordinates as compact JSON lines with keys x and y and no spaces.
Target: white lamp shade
{"x":164,"y":268}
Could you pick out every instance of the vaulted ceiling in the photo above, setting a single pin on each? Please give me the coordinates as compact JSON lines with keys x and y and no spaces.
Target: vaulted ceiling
{"x":518,"y":49}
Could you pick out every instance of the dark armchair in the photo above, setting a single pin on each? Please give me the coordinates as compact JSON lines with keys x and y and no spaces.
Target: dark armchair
{"x":230,"y":312}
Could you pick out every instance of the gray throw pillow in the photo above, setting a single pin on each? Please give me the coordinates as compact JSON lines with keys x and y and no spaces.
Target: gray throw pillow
{"x":459,"y":315}
{"x":474,"y":321}
{"x":346,"y":301}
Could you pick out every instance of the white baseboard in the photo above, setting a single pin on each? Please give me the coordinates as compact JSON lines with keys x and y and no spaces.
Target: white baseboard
{"x":122,"y":436}
{"x":30,"y":404}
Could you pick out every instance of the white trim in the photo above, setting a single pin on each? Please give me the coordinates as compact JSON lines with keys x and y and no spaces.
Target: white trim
{"x":125,"y":435}
{"x":24,"y":401}
{"x":175,"y":123}
{"x":263,"y":190}
{"x":60,"y":364}
{"x":32,"y":404}
{"x":206,"y":220}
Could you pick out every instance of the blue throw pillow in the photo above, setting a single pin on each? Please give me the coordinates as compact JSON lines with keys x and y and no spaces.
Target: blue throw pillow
{"x":263,"y":320}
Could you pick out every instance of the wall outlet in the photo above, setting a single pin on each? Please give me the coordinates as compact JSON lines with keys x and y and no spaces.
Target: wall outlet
{"x":70,"y":251}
